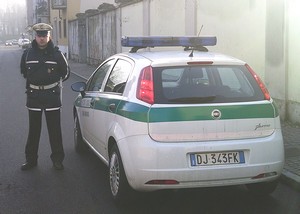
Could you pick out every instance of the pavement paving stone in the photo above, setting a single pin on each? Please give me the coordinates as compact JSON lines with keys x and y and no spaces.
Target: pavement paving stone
{"x":291,"y":137}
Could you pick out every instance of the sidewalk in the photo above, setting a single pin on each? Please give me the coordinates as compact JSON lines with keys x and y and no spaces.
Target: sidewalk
{"x":81,"y":70}
{"x":290,"y":132}
{"x":291,"y":137}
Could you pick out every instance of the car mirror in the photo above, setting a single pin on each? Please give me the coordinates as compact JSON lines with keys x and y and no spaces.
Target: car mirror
{"x":79,"y":87}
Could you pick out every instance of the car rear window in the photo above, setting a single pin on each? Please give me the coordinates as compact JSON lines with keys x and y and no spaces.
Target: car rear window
{"x":205,"y":84}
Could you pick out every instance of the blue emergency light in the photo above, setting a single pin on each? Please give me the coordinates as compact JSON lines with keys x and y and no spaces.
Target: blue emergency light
{"x":160,"y":41}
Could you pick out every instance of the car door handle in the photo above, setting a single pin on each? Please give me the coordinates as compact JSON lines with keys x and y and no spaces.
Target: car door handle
{"x":92,"y":103}
{"x":112,"y":107}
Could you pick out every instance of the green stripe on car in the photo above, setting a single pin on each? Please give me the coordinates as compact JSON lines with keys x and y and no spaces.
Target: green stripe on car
{"x":205,"y":112}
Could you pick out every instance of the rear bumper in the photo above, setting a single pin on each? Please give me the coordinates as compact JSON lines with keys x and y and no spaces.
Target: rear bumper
{"x":145,"y":160}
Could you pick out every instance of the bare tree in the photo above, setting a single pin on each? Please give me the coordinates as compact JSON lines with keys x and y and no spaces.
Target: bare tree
{"x":12,"y":21}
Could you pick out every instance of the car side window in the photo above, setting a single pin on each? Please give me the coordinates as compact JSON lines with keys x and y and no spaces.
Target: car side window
{"x":96,"y":81}
{"x":117,"y":79}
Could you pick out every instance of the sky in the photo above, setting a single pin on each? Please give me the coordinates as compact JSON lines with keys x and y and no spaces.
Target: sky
{"x":5,"y":3}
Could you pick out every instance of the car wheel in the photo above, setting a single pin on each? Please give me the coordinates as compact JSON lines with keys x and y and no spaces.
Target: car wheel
{"x":264,"y":188}
{"x":78,"y":140}
{"x":119,"y":186}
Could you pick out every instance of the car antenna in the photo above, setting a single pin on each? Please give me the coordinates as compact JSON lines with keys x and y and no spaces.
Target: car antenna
{"x":192,"y":53}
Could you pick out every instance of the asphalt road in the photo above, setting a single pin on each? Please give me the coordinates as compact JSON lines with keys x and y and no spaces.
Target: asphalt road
{"x":82,"y":188}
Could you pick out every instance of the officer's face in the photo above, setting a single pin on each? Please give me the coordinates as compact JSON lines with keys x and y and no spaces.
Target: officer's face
{"x":42,"y":40}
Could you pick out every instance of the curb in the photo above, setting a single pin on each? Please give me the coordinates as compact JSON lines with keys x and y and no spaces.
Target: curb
{"x":83,"y":77}
{"x":290,"y":179}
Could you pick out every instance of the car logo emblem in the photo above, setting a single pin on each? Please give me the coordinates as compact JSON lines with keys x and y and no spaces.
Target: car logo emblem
{"x":216,"y":114}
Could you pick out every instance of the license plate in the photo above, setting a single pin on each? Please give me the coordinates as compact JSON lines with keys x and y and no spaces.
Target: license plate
{"x":217,"y":158}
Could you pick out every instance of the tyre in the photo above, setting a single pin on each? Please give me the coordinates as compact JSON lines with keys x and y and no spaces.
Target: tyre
{"x":264,"y":188}
{"x":79,"y":143}
{"x":119,"y":186}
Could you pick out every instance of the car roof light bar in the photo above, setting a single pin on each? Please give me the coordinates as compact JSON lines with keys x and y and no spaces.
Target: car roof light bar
{"x":167,"y":41}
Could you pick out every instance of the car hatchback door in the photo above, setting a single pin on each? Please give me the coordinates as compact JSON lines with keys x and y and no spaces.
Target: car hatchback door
{"x":208,"y":103}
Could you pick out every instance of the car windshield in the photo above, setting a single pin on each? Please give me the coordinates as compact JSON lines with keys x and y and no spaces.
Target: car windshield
{"x":205,"y":84}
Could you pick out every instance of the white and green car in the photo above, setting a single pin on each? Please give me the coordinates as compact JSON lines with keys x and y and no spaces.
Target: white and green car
{"x":179,"y":119}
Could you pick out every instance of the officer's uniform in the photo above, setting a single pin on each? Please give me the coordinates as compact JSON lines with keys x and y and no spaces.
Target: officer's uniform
{"x":44,"y":70}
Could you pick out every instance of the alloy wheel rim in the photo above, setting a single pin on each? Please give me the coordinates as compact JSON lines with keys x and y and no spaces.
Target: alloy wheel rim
{"x":114,"y":174}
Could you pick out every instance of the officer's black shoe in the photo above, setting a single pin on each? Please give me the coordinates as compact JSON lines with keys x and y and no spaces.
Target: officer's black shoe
{"x":28,"y":165}
{"x":58,"y":165}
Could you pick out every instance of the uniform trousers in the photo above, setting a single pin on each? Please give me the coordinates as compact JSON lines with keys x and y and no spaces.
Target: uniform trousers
{"x":54,"y":131}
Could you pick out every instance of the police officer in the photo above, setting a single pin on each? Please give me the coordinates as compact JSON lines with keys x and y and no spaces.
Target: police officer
{"x":44,"y":67}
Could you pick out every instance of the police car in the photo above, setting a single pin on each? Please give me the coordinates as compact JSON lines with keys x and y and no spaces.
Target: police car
{"x":173,"y":119}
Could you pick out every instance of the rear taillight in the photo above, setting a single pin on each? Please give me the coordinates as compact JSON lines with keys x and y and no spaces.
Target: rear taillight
{"x":259,"y":82}
{"x":145,"y":90}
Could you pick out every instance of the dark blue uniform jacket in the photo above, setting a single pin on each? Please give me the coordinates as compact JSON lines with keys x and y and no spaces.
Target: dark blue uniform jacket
{"x":43,"y":68}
